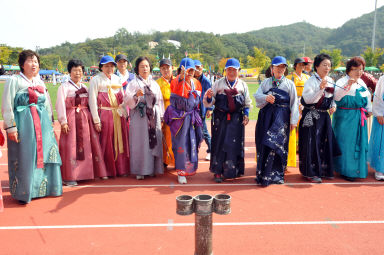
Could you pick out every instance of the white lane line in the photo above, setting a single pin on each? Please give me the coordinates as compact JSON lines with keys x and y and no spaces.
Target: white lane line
{"x":172,"y":185}
{"x":171,"y":225}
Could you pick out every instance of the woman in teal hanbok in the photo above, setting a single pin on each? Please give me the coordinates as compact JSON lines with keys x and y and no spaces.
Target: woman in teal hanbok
{"x":33,"y":155}
{"x":350,"y":122}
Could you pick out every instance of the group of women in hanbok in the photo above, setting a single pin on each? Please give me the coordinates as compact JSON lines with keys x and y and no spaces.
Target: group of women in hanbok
{"x":325,"y":146}
{"x":108,"y":131}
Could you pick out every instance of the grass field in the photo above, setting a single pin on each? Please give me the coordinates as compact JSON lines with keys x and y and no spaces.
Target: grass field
{"x":253,"y":86}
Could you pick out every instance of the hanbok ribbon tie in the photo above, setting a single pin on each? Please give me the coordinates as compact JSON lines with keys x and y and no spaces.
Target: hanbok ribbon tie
{"x":311,"y":114}
{"x":79,"y":126}
{"x":150,"y":99}
{"x":327,"y":89}
{"x":363,"y":117}
{"x":33,"y":97}
{"x":117,"y":132}
{"x":231,"y":102}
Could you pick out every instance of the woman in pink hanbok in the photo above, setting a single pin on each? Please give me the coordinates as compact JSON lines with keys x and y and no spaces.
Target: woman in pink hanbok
{"x":110,"y":117}
{"x":79,"y":142}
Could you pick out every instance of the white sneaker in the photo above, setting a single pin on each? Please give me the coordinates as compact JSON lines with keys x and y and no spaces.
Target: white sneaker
{"x":379,"y":176}
{"x":181,"y":179}
{"x":208,"y":157}
{"x":70,"y":183}
{"x":139,"y":177}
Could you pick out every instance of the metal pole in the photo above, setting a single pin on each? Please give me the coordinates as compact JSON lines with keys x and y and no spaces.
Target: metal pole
{"x":374,"y":28}
{"x":203,"y":206}
{"x":203,"y":225}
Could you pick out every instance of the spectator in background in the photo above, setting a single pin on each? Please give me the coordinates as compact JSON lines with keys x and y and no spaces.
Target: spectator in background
{"x":2,"y":70}
{"x":204,"y":112}
{"x":122,"y":71}
{"x":33,"y":155}
{"x":307,"y":65}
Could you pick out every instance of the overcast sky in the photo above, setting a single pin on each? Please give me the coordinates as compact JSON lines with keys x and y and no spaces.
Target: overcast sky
{"x":46,"y":23}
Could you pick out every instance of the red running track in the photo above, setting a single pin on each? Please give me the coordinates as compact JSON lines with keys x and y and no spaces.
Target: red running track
{"x":126,"y":216}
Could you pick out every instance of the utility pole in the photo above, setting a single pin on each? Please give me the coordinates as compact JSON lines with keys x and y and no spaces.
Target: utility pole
{"x":374,"y":28}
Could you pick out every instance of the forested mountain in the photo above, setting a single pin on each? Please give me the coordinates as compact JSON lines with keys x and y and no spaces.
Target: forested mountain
{"x":356,"y":34}
{"x":290,"y":40}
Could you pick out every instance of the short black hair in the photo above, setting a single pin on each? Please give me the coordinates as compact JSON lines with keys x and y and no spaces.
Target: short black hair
{"x":320,"y":58}
{"x":138,"y":61}
{"x":24,"y":55}
{"x":75,"y":63}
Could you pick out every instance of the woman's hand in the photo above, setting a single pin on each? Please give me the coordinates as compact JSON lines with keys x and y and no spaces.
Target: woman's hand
{"x":323,"y":84}
{"x":369,"y":114}
{"x":208,"y":114}
{"x":380,"y":119}
{"x":98,"y":127}
{"x":270,"y":99}
{"x":245,"y":120}
{"x":14,"y":136}
{"x":332,"y":110}
{"x":64,"y":128}
{"x":139,"y":93}
{"x":292,"y":127}
{"x":209,"y":93}
{"x":347,"y":87}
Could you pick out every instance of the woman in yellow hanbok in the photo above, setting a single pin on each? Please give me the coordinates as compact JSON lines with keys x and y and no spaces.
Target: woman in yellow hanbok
{"x":298,"y":78}
{"x":165,"y":86}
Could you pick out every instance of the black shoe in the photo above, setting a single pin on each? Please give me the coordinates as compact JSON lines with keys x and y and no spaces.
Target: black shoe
{"x":21,"y":202}
{"x":315,"y":179}
{"x":218,"y":178}
{"x":350,"y":179}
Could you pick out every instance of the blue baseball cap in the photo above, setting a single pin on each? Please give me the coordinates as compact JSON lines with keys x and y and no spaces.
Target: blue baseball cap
{"x":187,"y":63}
{"x":107,"y":59}
{"x":232,"y":62}
{"x":197,"y":62}
{"x":279,"y":60}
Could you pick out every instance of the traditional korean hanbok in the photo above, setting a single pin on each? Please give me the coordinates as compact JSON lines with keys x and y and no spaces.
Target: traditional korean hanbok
{"x":376,"y":142}
{"x":80,"y":148}
{"x":272,"y":128}
{"x":145,"y":135}
{"x":317,"y":142}
{"x":350,"y":127}
{"x":168,"y":157}
{"x":34,"y":162}
{"x":106,"y":105}
{"x":231,"y":102}
{"x":2,"y":140}
{"x":299,"y":82}
{"x":182,"y":115}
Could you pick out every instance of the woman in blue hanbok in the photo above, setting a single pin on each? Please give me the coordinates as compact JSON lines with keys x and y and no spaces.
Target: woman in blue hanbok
{"x":231,"y":101}
{"x":317,"y":143}
{"x":33,"y":155}
{"x":376,"y":142}
{"x":350,"y":122}
{"x":279,"y":113}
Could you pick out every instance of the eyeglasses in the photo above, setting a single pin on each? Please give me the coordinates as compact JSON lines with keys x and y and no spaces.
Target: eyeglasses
{"x":356,"y":70}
